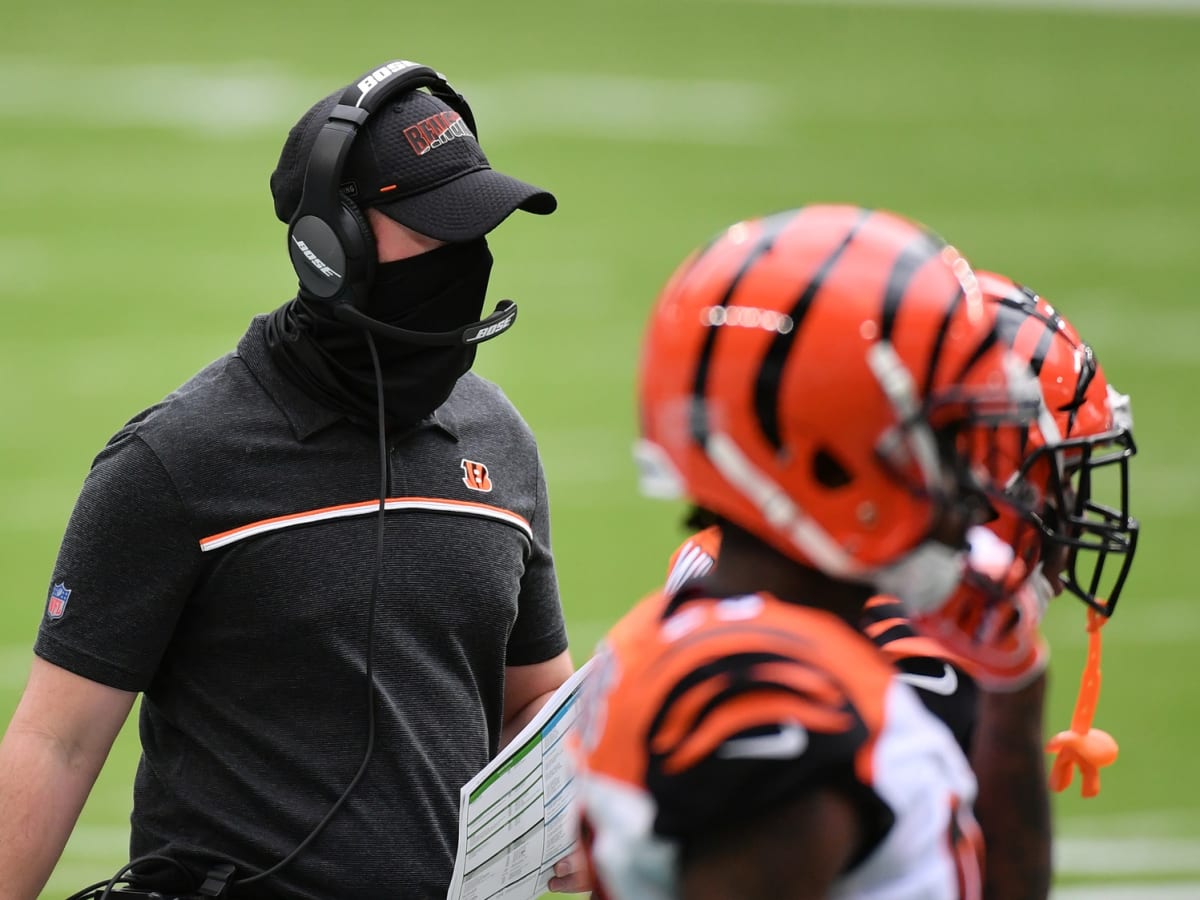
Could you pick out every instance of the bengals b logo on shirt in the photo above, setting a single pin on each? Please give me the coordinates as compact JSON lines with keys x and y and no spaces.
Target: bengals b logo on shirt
{"x":475,"y":476}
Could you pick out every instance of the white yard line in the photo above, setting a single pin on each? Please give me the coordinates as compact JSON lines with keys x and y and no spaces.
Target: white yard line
{"x":1127,"y":855}
{"x":633,"y":108}
{"x":1116,"y":849}
{"x":261,"y":98}
{"x":1110,"y":858}
{"x":1187,"y":7}
{"x":1178,"y":890}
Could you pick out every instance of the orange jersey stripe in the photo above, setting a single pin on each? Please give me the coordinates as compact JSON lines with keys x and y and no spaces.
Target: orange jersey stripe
{"x":365,"y":507}
{"x":653,"y":658}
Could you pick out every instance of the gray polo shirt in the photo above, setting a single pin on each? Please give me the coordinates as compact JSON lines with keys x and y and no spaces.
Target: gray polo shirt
{"x":220,"y":559}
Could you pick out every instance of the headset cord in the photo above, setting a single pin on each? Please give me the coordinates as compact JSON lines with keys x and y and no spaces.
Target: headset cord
{"x":120,"y":878}
{"x":103,"y":889}
{"x":383,"y":491}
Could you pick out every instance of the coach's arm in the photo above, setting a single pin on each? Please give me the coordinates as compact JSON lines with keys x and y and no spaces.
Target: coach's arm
{"x":526,"y":690}
{"x":55,"y":745}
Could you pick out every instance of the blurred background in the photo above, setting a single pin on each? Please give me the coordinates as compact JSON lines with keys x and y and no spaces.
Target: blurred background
{"x":1056,"y":142}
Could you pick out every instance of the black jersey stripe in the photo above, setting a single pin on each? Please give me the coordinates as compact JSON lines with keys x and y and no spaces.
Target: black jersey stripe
{"x":881,"y":612}
{"x":736,"y":675}
{"x":897,"y":631}
{"x":773,"y":227}
{"x":770,"y":372}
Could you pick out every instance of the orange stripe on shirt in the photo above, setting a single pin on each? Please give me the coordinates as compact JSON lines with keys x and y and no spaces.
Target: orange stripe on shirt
{"x":344,"y":510}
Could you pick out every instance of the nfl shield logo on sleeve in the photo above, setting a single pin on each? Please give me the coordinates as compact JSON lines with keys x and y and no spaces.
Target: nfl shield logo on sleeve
{"x":59,"y":595}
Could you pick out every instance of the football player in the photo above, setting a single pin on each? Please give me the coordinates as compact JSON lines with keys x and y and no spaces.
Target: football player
{"x":829,"y":385}
{"x":1089,"y":426}
{"x":940,"y":677}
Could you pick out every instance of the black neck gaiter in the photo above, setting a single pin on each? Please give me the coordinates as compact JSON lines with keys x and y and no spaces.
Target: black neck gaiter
{"x":329,"y":360}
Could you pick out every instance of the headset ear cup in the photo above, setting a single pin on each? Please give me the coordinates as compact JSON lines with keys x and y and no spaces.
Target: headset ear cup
{"x":361,"y":253}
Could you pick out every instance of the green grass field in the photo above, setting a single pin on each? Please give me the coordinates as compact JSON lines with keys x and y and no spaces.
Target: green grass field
{"x":1059,"y":147}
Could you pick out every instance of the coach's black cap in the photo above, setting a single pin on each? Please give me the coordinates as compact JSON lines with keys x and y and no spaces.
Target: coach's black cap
{"x":417,"y":162}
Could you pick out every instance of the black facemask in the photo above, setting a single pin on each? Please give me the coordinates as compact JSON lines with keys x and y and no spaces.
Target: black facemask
{"x":435,"y":291}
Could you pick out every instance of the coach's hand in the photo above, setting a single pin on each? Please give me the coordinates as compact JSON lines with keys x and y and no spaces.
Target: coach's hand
{"x":571,"y":874}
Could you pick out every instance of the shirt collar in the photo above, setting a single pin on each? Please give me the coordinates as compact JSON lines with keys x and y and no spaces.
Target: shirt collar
{"x":305,"y":415}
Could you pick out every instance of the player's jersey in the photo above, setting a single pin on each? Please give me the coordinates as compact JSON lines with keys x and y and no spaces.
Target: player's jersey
{"x":939,"y":676}
{"x":727,"y":707}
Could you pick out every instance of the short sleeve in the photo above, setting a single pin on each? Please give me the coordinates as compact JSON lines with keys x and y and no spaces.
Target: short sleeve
{"x":127,"y":564}
{"x":539,"y":632}
{"x":946,"y":690}
{"x":759,"y":730}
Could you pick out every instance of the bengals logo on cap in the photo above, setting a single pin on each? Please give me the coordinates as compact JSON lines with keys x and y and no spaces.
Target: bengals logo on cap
{"x":475,"y":476}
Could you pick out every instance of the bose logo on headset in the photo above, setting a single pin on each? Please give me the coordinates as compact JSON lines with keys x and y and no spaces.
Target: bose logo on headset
{"x":317,"y":262}
{"x":383,"y":73}
{"x":487,"y":331}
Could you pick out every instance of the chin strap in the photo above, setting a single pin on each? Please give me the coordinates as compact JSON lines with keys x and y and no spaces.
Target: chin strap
{"x":1082,"y":745}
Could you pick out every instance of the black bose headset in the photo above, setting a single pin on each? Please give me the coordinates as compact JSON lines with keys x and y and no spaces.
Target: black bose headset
{"x":331,"y":244}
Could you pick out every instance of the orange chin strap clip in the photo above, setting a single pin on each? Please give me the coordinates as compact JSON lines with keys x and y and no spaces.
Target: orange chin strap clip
{"x":1082,"y":745}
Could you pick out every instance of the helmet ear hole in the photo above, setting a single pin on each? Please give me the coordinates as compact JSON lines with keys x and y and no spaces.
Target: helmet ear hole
{"x":828,"y":471}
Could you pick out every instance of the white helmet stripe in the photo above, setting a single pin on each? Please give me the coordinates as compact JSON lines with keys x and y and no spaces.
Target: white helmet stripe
{"x":900,"y":389}
{"x":779,"y":510}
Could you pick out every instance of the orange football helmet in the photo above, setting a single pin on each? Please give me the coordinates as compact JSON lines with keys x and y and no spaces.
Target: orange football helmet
{"x":816,"y":378}
{"x":1077,"y":457}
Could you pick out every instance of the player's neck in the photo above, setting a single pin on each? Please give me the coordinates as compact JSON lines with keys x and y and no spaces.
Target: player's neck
{"x":746,"y":565}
